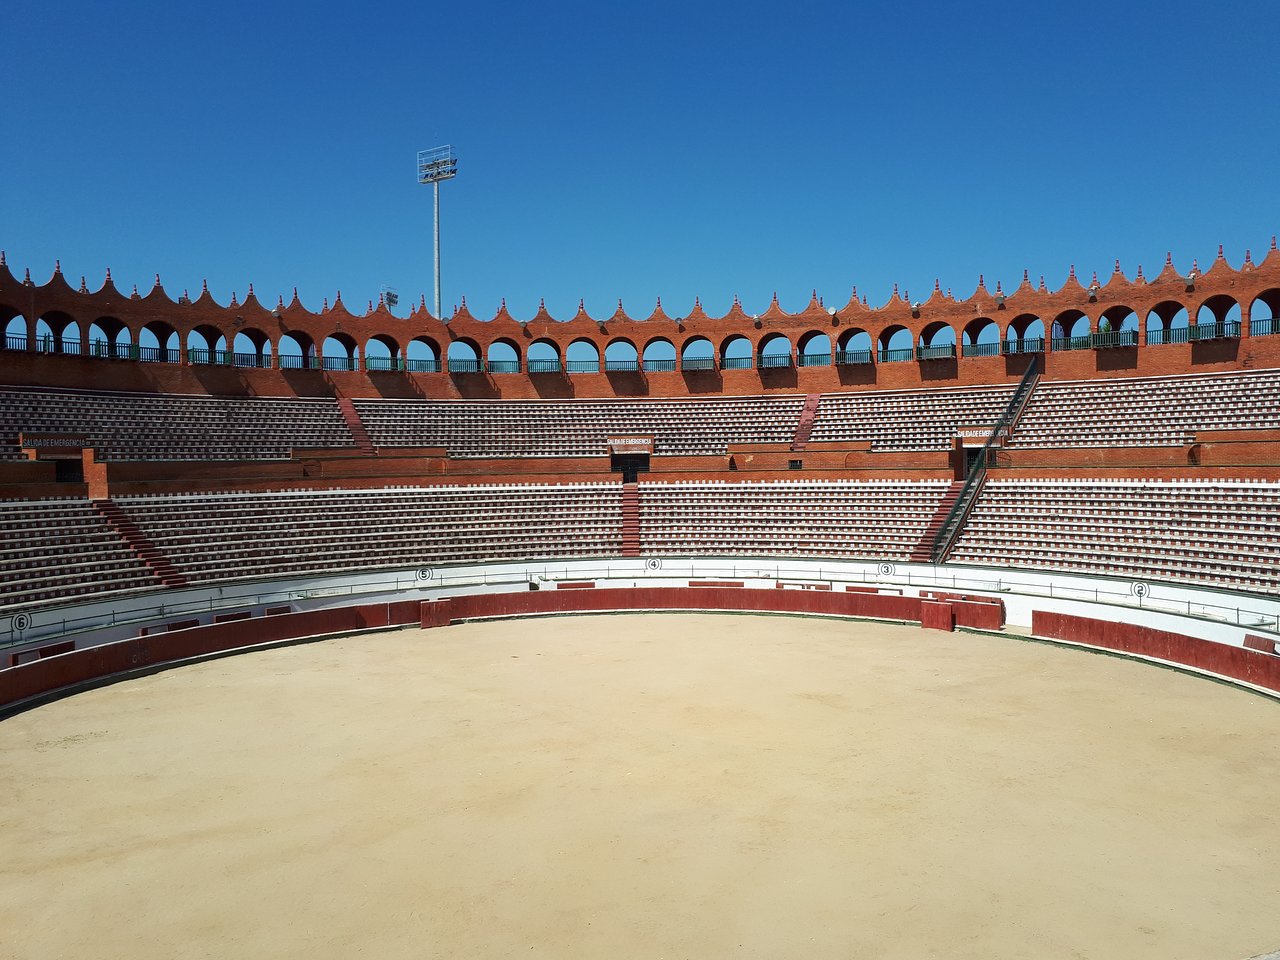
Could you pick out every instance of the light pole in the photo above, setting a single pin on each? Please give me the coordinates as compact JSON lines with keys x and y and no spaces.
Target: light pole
{"x":435,"y":165}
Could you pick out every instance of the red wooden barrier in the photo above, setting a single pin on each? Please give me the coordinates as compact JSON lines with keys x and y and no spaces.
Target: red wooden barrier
{"x":936,"y":615}
{"x":1263,"y":644}
{"x":575,"y":585}
{"x":983,"y":616}
{"x":1260,"y":669}
{"x":674,"y":598}
{"x":80,"y":666}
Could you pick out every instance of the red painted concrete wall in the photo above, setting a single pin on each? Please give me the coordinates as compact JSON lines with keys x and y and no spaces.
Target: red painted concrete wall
{"x":1260,"y":669}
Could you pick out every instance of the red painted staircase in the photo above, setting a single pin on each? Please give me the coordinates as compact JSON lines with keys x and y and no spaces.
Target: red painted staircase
{"x":805,"y":425}
{"x":358,"y":432}
{"x":144,"y":549}
{"x":923,"y":552}
{"x":630,"y":520}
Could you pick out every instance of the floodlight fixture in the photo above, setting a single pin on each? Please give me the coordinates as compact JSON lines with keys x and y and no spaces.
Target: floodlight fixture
{"x":434,"y":166}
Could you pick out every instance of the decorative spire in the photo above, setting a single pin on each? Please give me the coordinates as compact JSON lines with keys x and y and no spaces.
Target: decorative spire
{"x":1139,"y":277}
{"x":234,"y":301}
{"x":204,"y":287}
{"x":1195,"y":265}
{"x":186,"y":298}
{"x":157,"y":279}
{"x":895,"y":291}
{"x":2,"y":261}
{"x":1094,"y":281}
{"x":1248,"y":257}
{"x":382,"y":298}
{"x":1273,"y":241}
{"x":697,"y":301}
{"x":982,"y":283}
{"x":775,"y":298}
{"x":1220,"y":256}
{"x":998,"y":290}
{"x":1072,"y":274}
{"x":1117,"y":269}
{"x":27,"y":278}
{"x":295,"y":295}
{"x":134,"y":295}
{"x":855,"y":293}
{"x":503,"y":307}
{"x":542,"y":304}
{"x":57,"y":266}
{"x":1168,"y":259}
{"x":949,"y":296}
{"x":325,"y":308}
{"x":937,"y":284}
{"x":250,"y":291}
{"x":1042,"y":286}
{"x":108,"y":274}
{"x":84,"y":288}
{"x":338,"y":299}
{"x":280,"y":302}
{"x":582,"y":305}
{"x":464,"y":305}
{"x":658,"y":307}
{"x":422,"y":301}
{"x":1026,"y":277}
{"x":369,"y":309}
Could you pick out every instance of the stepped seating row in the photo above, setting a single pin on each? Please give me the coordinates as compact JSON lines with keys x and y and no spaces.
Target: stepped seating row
{"x":575,"y":428}
{"x":1164,"y":411}
{"x":139,"y":426}
{"x":908,"y":419}
{"x":1223,"y":533}
{"x":52,"y":550}
{"x":874,"y":520}
{"x":221,"y":536}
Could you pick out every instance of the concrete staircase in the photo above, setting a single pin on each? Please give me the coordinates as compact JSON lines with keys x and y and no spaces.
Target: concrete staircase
{"x":358,"y":432}
{"x":805,"y":425}
{"x":630,"y":520}
{"x":144,"y":549}
{"x":923,"y":550}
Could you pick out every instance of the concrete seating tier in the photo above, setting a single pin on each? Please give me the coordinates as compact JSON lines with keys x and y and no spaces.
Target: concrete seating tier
{"x":55,"y":550}
{"x":578,"y":428}
{"x":908,"y":419}
{"x":1223,"y":532}
{"x":847,"y":519}
{"x":229,"y":536}
{"x":143,"y":426}
{"x":1161,"y":411}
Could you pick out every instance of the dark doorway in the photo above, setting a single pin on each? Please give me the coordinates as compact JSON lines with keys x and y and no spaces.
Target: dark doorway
{"x":972,"y":457}
{"x":630,"y":465}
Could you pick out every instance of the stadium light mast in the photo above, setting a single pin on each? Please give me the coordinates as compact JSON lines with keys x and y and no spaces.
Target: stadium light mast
{"x":435,"y":165}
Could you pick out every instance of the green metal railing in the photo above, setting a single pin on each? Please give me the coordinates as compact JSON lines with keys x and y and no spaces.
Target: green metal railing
{"x":466,"y":366}
{"x":543,"y":366}
{"x":852,"y":357}
{"x":896,"y":356}
{"x":815,"y":359}
{"x":582,"y":366}
{"x":504,"y":366}
{"x":775,"y":361}
{"x":421,"y":366}
{"x":735,"y":363}
{"x":947,"y":351}
{"x":980,"y":350}
{"x":660,"y":366}
{"x":698,"y":363}
{"x":1025,"y":345}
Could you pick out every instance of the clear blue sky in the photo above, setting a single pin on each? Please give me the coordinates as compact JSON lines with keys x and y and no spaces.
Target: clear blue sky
{"x":639,"y":151}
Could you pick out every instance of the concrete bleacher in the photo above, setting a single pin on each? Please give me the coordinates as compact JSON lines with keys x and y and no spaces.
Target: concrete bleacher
{"x":212,"y":537}
{"x":579,"y":428}
{"x":53,"y":550}
{"x":148,"y":426}
{"x":1214,"y":532}
{"x":908,"y":419}
{"x":1158,"y":411}
{"x":876,"y":519}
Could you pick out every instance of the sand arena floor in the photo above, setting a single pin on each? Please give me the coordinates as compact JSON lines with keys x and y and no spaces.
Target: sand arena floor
{"x":665,"y":786}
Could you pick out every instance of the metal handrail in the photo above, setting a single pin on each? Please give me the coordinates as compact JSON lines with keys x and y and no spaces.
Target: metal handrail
{"x":973,"y":483}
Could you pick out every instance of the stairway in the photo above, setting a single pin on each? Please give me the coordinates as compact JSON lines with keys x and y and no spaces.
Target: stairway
{"x":805,"y":425}
{"x":144,"y":549}
{"x":630,"y":520}
{"x":358,"y":432}
{"x":923,"y":551}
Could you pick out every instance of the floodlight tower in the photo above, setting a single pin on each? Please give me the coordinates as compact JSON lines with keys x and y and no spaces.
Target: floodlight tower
{"x":435,"y":165}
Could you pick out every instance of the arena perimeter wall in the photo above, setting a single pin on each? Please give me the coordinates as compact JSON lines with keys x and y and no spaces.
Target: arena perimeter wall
{"x":61,"y":671}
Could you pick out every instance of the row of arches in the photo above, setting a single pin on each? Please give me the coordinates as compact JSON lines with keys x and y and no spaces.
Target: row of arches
{"x":1166,"y":322}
